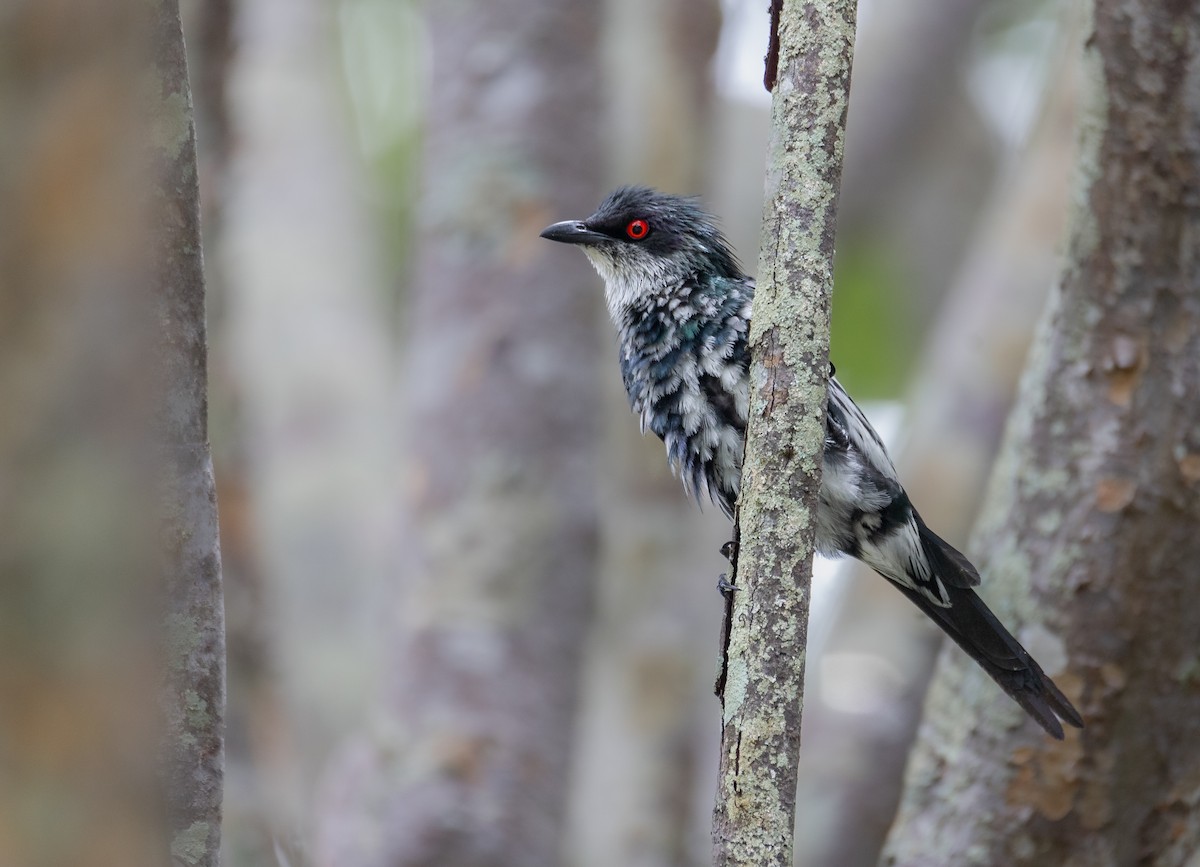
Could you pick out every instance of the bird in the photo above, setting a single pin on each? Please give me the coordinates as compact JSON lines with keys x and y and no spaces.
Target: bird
{"x":681,"y":305}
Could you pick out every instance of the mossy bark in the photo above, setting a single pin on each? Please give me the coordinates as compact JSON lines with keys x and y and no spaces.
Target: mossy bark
{"x":754,"y":817}
{"x":1088,"y":538}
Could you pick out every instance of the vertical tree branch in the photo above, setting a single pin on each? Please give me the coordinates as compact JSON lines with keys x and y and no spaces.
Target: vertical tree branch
{"x":195,"y":627}
{"x":755,"y":813}
{"x":1089,"y":532}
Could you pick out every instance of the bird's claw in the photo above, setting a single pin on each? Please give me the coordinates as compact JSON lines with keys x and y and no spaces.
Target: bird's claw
{"x":724,"y":586}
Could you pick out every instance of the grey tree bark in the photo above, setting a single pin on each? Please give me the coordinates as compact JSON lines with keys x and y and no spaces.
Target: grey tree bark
{"x":469,"y":766}
{"x":195,"y":703}
{"x":852,"y":770}
{"x":763,"y":676}
{"x":1088,"y":533}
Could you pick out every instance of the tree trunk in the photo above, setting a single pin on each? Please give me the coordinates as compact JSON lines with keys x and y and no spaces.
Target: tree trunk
{"x":1090,"y":526}
{"x":80,"y":569}
{"x":303,"y":346}
{"x":646,"y":721}
{"x":471,"y":767}
{"x":196,"y":625}
{"x":763,"y":676}
{"x":110,"y":582}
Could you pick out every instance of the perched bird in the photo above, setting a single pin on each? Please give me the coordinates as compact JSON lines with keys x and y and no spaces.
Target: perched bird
{"x":681,"y":305}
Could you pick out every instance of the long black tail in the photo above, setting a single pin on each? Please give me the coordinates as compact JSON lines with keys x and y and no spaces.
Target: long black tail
{"x":976,"y":630}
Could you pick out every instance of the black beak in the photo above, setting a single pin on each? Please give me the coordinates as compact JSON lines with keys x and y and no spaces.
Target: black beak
{"x":572,"y":232}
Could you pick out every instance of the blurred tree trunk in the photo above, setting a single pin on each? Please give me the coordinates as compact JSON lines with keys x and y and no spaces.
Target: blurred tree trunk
{"x":109,"y":563}
{"x":303,"y":349}
{"x":79,"y":640}
{"x":1090,"y":526}
{"x":470,"y":765}
{"x":909,"y":83}
{"x":852,"y":767}
{"x":920,"y":164}
{"x":648,"y":721}
{"x":657,"y":57}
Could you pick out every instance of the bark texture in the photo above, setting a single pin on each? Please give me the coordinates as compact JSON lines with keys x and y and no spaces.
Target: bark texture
{"x":1090,"y":525}
{"x":470,"y":767}
{"x":195,"y":627}
{"x":764,"y":682}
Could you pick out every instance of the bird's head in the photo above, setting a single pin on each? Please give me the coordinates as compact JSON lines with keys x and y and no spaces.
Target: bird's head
{"x":643,"y":242}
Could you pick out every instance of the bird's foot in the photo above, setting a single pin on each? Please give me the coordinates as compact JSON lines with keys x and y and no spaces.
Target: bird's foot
{"x":730,"y":552}
{"x":727,"y":590}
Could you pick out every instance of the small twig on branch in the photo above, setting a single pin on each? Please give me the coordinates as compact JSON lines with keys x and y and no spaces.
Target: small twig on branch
{"x":789,"y":343}
{"x":771,"y":72}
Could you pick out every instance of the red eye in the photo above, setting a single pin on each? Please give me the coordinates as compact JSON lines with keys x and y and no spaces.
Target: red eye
{"x":638,"y":229}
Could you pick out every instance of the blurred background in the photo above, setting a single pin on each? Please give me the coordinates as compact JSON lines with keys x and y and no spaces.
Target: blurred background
{"x":469,"y":611}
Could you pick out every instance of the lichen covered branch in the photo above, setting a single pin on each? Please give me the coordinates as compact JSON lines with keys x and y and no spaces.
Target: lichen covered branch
{"x":754,"y":816}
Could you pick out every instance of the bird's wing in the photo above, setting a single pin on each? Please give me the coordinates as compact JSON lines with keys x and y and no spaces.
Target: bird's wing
{"x":946,"y":561}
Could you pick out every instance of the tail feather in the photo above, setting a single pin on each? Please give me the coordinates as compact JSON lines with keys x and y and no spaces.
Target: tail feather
{"x":977,"y":630}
